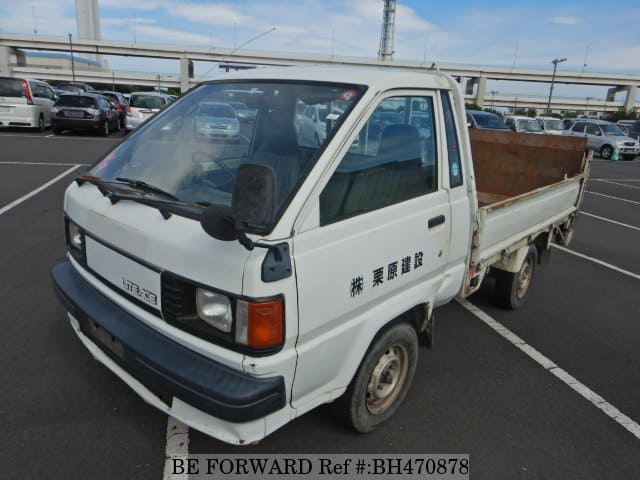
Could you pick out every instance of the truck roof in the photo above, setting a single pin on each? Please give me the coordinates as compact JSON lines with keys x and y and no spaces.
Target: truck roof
{"x":378,"y":77}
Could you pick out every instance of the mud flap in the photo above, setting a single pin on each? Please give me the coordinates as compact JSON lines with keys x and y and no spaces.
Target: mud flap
{"x":426,"y":337}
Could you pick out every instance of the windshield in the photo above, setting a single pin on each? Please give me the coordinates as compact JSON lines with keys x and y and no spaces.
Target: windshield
{"x":529,"y":125}
{"x":553,"y":125}
{"x":76,"y":101}
{"x":146,"y":101}
{"x":197,"y":161}
{"x":489,"y":121}
{"x":612,"y":129}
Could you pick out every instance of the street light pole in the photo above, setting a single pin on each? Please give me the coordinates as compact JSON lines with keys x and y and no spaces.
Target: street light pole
{"x":555,"y":62}
{"x":493,"y":94}
{"x":73,"y":68}
{"x":586,"y":112}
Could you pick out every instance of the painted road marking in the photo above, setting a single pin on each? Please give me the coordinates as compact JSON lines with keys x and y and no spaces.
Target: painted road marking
{"x":614,"y":198}
{"x":17,"y":202}
{"x":177,"y":447}
{"x":617,"y":183}
{"x":599,"y":262}
{"x":551,"y":367}
{"x":45,"y":163}
{"x":617,"y":179}
{"x":610,"y":221}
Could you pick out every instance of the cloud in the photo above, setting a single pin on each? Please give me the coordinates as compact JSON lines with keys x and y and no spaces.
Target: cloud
{"x":128,"y":22}
{"x":167,"y":35}
{"x":48,"y":18}
{"x":565,"y":20}
{"x":211,"y":14}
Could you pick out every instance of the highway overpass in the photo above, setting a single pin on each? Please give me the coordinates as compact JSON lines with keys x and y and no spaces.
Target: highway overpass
{"x":475,"y":76}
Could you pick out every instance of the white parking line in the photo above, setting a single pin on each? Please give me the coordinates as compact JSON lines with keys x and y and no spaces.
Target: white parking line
{"x":45,"y":163}
{"x":610,"y":221}
{"x":17,"y":202}
{"x":599,"y":262}
{"x":617,"y":179}
{"x":614,"y":198}
{"x":551,"y":367}
{"x":617,"y":183}
{"x":177,"y":447}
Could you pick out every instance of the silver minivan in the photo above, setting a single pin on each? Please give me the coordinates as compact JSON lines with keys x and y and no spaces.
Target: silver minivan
{"x":605,"y":137}
{"x":25,"y":103}
{"x":143,"y":105}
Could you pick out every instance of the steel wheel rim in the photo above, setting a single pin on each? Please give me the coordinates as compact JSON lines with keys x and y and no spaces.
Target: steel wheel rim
{"x":606,"y":152}
{"x":106,"y":128}
{"x":40,"y":123}
{"x":387,"y":379}
{"x":524,"y":278}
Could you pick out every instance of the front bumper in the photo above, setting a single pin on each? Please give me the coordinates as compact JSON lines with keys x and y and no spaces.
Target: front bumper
{"x":165,"y":368}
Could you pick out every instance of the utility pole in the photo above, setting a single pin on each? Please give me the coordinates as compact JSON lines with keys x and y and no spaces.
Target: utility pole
{"x":493,"y":94}
{"x":385,"y":52}
{"x":555,"y":62}
{"x":73,"y":68}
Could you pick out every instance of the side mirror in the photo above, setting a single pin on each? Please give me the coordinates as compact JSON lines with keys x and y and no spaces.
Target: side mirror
{"x":252,"y":206}
{"x":469,"y":125}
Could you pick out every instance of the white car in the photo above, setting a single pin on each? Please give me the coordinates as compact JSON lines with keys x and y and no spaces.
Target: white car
{"x":25,"y":103}
{"x":311,"y":126}
{"x":551,"y":125}
{"x":522,"y":124}
{"x":143,"y":105}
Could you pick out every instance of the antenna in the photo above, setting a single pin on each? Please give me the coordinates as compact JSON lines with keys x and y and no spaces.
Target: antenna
{"x":33,"y":13}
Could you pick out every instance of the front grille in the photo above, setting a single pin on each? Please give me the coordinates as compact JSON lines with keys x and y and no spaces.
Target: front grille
{"x":629,"y":144}
{"x":178,"y":299}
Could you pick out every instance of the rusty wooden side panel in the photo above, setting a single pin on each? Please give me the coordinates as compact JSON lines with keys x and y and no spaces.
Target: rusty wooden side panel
{"x":511,"y":164}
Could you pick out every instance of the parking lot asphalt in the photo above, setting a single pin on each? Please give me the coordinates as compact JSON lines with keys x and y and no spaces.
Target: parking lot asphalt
{"x":63,"y":415}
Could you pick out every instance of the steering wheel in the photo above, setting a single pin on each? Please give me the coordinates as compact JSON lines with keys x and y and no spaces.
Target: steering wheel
{"x":201,"y":157}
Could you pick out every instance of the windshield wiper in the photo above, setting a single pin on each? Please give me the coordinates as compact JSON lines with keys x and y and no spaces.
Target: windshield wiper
{"x":115,"y":196}
{"x":146,"y":187}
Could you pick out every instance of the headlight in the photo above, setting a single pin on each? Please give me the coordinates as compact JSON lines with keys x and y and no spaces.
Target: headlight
{"x":214,"y":309}
{"x":74,"y":236}
{"x":75,"y":240}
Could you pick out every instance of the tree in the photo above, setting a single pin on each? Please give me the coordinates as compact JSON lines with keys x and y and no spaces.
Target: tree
{"x":532,"y":112}
{"x":472,"y":106}
{"x":570,"y":115}
{"x":622,"y":114}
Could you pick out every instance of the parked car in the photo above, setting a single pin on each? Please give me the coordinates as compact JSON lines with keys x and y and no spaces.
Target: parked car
{"x":75,"y":87}
{"x":143,"y":105}
{"x":605,"y":137}
{"x":120,"y":102}
{"x":551,"y":125}
{"x":216,"y":120}
{"x":485,"y":120}
{"x":25,"y":103}
{"x":84,"y":111}
{"x":311,"y":127}
{"x":244,"y":113}
{"x":633,"y":129}
{"x":522,"y":124}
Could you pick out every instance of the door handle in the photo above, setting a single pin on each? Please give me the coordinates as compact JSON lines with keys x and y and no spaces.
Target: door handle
{"x":435,"y":221}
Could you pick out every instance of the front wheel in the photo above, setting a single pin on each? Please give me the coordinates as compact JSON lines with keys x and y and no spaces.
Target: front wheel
{"x":512,"y":288}
{"x":382,"y":380}
{"x":105,"y":129}
{"x":606,"y":152}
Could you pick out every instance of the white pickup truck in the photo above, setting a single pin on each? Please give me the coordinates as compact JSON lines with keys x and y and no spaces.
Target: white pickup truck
{"x":236,"y":286}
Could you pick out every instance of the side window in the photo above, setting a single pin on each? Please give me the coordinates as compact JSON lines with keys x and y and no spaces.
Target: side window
{"x":393,"y":159}
{"x":579,"y":127}
{"x":592,"y":129}
{"x":455,"y":164}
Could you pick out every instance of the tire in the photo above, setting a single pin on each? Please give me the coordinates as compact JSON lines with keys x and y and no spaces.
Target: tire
{"x":512,"y":288}
{"x":41,"y":125}
{"x":317,"y":139}
{"x":382,"y":380}
{"x":628,"y":157}
{"x":606,"y":151}
{"x":105,"y":129}
{"x":118,"y":125}
{"x":57,"y":131}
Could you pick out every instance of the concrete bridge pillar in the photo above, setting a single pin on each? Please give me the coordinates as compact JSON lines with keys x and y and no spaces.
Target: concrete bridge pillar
{"x":184,"y":74}
{"x":611,"y":93}
{"x":482,"y":88}
{"x":630,"y":101}
{"x":5,"y":62}
{"x":470,"y":85}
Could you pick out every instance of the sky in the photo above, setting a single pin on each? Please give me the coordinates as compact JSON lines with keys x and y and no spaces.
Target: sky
{"x":595,"y":36}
